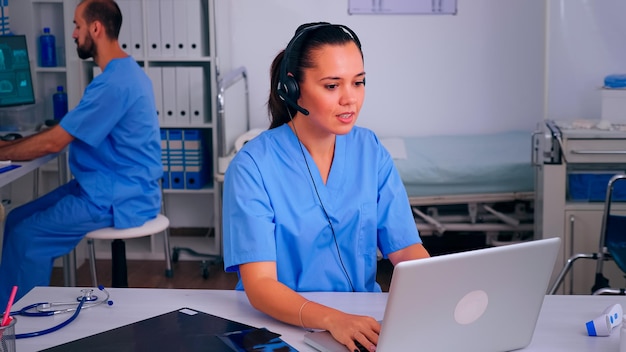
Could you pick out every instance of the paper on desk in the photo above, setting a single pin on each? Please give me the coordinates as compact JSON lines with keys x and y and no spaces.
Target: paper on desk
{"x":5,"y":162}
{"x":395,"y":147}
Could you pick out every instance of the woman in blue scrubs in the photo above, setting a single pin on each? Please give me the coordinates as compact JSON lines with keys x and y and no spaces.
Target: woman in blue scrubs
{"x":308,"y":202}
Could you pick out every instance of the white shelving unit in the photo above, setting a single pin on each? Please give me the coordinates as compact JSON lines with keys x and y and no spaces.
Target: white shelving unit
{"x":185,"y":208}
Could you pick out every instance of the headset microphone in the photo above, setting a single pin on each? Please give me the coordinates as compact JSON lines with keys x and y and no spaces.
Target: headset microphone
{"x":291,"y":103}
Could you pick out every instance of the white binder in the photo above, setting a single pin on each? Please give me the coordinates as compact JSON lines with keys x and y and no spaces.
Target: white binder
{"x":168,"y":83}
{"x":195,"y":31}
{"x":166,"y":14}
{"x":136,"y":28}
{"x":182,"y":95}
{"x":196,"y":95}
{"x":181,"y":42}
{"x":124,"y":37}
{"x":153,"y":26}
{"x":155,"y":74}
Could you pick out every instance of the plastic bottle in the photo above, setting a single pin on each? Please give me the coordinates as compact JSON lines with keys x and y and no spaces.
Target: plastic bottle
{"x":47,"y":49}
{"x":59,"y":103}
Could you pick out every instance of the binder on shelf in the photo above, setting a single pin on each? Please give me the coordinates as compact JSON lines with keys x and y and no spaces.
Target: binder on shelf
{"x":124,"y":38}
{"x":166,"y":14}
{"x":155,"y":74}
{"x":196,"y":95}
{"x":195,"y":31}
{"x":181,"y":42}
{"x":165,"y":159}
{"x":195,"y":171}
{"x":168,"y":79}
{"x":176,"y":159}
{"x":182,"y":95}
{"x":153,"y":26}
{"x":136,"y":28}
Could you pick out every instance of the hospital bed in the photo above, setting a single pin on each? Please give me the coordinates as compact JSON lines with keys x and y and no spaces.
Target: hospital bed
{"x":468,"y":183}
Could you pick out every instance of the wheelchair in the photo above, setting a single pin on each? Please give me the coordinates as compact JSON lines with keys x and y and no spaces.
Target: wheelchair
{"x":612,"y":246}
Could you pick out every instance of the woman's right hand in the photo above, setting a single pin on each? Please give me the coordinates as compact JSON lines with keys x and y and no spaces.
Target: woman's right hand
{"x":270,"y":296}
{"x":349,"y":329}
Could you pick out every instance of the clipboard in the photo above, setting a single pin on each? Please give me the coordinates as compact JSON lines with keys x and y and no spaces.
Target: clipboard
{"x":184,"y":330}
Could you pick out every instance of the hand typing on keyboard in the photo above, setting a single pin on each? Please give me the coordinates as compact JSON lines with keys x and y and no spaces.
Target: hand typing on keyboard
{"x":360,"y":347}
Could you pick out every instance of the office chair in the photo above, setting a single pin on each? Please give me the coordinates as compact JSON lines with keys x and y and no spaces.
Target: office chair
{"x":612,"y":246}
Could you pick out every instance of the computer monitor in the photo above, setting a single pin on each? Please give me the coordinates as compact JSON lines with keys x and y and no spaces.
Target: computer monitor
{"x":16,"y":84}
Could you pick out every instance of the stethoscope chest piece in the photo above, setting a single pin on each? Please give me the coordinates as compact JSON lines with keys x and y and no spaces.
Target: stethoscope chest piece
{"x":87,"y":295}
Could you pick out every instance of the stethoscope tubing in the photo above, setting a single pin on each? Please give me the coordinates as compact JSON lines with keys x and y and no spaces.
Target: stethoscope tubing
{"x":41,"y":310}
{"x":54,"y":328}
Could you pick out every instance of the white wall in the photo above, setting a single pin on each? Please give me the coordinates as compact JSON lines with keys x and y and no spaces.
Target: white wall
{"x":587,"y":41}
{"x":479,"y":71}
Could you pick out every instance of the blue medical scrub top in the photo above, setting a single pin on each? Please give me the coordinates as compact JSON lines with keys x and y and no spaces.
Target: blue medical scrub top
{"x":272,"y":212}
{"x":116,"y":153}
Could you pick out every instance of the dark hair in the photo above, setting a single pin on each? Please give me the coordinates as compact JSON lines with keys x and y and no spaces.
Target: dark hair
{"x":106,"y":12}
{"x":300,"y":58}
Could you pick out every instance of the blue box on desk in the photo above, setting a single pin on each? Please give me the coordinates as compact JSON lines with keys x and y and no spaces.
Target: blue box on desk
{"x":591,"y":187}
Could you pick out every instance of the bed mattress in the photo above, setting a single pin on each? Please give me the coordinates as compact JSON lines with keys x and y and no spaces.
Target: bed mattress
{"x":464,"y":164}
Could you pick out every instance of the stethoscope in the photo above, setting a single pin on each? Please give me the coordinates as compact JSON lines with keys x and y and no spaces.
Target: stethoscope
{"x":87,"y":300}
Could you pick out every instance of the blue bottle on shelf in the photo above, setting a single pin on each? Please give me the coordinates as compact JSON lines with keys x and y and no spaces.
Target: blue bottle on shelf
{"x":59,"y":103}
{"x":47,"y":49}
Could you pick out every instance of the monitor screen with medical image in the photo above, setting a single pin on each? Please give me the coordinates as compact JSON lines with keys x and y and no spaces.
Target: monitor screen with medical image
{"x":16,"y":84}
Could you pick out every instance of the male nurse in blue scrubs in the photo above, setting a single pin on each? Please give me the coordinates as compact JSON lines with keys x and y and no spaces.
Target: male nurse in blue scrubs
{"x":114,"y":156}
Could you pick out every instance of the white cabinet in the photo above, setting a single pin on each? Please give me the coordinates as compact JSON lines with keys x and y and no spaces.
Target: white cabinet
{"x":174,"y":41}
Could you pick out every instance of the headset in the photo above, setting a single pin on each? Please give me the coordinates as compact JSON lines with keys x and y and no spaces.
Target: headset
{"x":288,"y":89}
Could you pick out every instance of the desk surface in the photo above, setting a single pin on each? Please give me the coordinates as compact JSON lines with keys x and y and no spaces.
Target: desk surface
{"x":560,"y":326}
{"x":26,"y":167}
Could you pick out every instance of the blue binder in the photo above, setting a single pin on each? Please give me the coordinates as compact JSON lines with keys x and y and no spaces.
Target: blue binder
{"x":165,"y":160}
{"x":176,"y":159}
{"x":193,"y":148}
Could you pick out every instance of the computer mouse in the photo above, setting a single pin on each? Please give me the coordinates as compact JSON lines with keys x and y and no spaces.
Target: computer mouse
{"x":11,"y":136}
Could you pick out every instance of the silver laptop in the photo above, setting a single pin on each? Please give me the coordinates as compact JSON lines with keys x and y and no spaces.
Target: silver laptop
{"x":481,"y":300}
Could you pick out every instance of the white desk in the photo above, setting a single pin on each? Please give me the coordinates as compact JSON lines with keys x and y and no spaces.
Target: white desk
{"x":26,"y":167}
{"x":69,"y":261}
{"x":560,"y":326}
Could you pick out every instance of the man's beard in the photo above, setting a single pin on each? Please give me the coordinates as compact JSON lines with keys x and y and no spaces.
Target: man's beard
{"x":87,"y":50}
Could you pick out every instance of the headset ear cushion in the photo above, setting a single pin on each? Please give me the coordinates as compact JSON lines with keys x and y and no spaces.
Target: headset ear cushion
{"x":291,"y":89}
